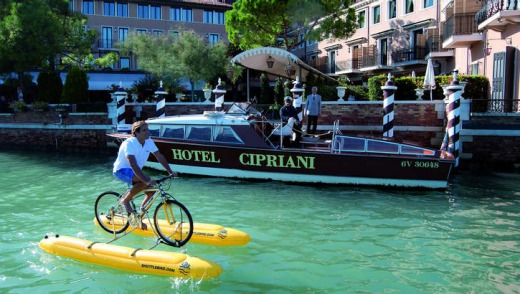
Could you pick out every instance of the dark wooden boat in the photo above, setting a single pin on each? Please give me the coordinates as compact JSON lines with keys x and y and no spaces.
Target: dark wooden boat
{"x":241,"y":143}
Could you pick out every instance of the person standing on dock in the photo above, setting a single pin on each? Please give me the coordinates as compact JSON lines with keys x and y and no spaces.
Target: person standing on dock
{"x":133,"y":154}
{"x":313,"y":110}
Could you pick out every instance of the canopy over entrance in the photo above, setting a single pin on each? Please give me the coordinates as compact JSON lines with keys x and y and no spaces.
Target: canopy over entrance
{"x":277,"y":62}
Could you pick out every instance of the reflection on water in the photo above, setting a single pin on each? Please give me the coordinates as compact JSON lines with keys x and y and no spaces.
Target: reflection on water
{"x":304,"y":238}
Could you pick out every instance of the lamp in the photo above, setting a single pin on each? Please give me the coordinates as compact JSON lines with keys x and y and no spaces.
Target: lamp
{"x":270,"y":62}
{"x":487,"y":49}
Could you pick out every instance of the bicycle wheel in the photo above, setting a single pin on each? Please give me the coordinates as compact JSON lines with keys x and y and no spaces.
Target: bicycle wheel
{"x":173,"y":223}
{"x":110,"y":214}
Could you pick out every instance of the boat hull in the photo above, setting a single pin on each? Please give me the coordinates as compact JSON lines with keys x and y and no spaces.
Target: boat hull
{"x":301,"y":165}
{"x":207,"y":234}
{"x":129,"y":259}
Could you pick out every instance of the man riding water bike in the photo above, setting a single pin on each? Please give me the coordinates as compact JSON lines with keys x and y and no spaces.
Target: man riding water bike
{"x":133,"y":154}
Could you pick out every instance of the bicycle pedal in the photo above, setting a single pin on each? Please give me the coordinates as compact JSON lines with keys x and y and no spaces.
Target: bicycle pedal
{"x":133,"y":219}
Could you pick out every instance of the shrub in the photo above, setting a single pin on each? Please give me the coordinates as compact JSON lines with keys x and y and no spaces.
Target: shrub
{"x":50,"y":86}
{"x":76,"y":86}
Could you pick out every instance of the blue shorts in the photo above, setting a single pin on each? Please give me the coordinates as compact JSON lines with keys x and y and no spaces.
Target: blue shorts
{"x":125,"y":174}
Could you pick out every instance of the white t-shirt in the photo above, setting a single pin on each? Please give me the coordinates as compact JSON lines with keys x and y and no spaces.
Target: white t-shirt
{"x":131,"y":146}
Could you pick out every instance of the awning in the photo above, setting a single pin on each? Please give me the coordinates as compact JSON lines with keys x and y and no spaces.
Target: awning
{"x":257,"y":59}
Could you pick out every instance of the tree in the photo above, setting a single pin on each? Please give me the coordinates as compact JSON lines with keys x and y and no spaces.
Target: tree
{"x":288,"y":23}
{"x":36,"y":33}
{"x":76,"y":86}
{"x":172,"y":58}
{"x":50,"y":86}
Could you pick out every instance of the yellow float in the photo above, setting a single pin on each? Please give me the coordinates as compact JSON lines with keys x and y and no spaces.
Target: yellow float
{"x":202,"y":233}
{"x":135,"y":260}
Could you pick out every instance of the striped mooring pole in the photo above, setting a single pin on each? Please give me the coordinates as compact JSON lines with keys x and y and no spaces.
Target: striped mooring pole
{"x":388,"y":107}
{"x":219,"y":92}
{"x":121,"y":100}
{"x":160,"y":96}
{"x":453,"y":113}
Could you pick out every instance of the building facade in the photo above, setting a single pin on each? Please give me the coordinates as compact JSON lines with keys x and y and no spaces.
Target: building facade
{"x":399,"y":36}
{"x":114,"y":20}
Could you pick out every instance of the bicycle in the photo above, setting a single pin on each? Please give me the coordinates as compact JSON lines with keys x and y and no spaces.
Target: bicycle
{"x":172,"y":220}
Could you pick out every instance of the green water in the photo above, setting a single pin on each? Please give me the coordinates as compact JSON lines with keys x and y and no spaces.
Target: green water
{"x":304,"y":239}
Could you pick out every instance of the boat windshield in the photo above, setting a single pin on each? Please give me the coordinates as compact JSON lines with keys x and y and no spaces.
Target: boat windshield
{"x":242,"y":108}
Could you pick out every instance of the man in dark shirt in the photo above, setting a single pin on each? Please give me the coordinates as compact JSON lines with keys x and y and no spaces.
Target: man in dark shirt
{"x":286,"y":112}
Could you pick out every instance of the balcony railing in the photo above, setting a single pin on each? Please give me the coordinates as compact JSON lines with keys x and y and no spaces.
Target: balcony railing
{"x":459,"y":24}
{"x":405,"y":55}
{"x":491,"y":7}
{"x":434,"y":44}
{"x":106,"y":43}
{"x":319,"y":63}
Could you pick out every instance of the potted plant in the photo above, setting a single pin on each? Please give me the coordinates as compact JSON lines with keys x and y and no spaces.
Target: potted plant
{"x":207,"y":91}
{"x":39,"y":106}
{"x":18,"y":106}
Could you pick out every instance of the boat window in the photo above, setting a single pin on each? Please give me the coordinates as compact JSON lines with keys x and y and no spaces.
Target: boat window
{"x":202,"y":133}
{"x":226,"y":134}
{"x":176,"y":132}
{"x":343,"y":143}
{"x":382,"y":147}
{"x":154,"y":130}
{"x":416,"y":151}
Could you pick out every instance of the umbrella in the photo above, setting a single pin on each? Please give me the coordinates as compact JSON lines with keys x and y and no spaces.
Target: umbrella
{"x":429,"y":77}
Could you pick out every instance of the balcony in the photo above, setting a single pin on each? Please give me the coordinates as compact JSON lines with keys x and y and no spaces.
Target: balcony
{"x":410,"y":55}
{"x":319,"y":63}
{"x":460,"y":31}
{"x":496,"y":14}
{"x":106,"y":44}
{"x":364,"y":59}
{"x":435,"y":49}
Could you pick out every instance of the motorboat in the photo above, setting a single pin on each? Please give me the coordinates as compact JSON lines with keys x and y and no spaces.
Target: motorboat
{"x":241,"y":143}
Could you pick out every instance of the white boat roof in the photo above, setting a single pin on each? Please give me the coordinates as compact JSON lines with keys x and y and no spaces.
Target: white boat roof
{"x":207,"y":118}
{"x":237,"y":114}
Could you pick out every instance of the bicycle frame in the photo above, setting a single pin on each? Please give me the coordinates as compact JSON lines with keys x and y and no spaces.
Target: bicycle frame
{"x":158,"y":191}
{"x":172,"y":222}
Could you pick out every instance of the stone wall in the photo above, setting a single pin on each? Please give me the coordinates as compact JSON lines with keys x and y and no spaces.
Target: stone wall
{"x":485,"y":138}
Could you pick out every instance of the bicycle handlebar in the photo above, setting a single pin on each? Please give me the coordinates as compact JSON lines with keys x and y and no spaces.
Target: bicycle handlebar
{"x":159,"y":181}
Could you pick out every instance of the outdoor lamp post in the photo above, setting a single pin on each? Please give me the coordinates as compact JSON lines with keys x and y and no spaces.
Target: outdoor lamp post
{"x":487,"y":49}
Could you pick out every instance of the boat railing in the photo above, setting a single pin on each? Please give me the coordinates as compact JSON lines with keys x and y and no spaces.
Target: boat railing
{"x":343,"y":143}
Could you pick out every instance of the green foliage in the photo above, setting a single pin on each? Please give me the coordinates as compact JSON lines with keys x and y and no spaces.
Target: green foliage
{"x":374,"y":87}
{"x":34,"y":32}
{"x":265,"y":90}
{"x":476,"y":89}
{"x":40,"y":105}
{"x":146,"y":87}
{"x":360,"y":93}
{"x":279,"y":90}
{"x":76,"y":86}
{"x":18,"y":105}
{"x":193,"y":57}
{"x":257,"y":23}
{"x":50,"y":87}
{"x":107,"y":60}
{"x":327,"y":92}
